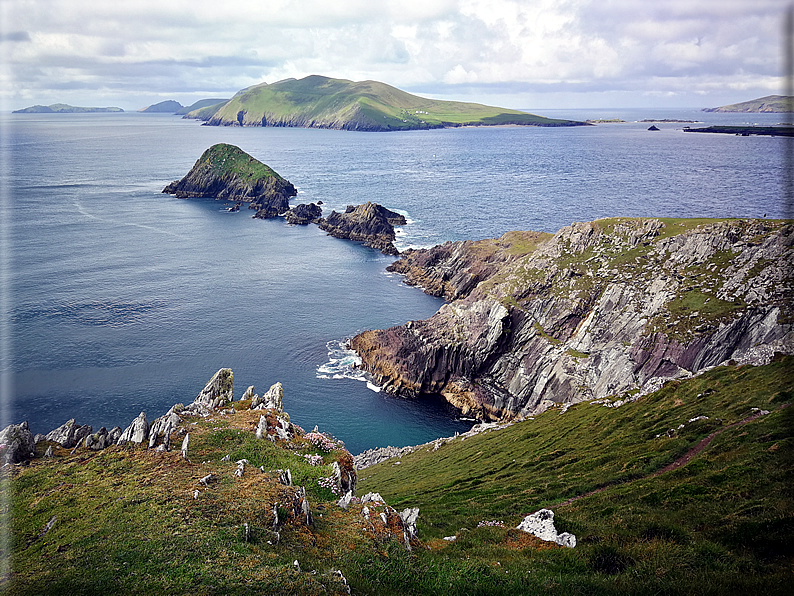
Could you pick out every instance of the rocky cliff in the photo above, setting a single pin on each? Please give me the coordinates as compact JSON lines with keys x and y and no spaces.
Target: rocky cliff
{"x":226,"y":172}
{"x":606,"y":309}
{"x":369,"y":223}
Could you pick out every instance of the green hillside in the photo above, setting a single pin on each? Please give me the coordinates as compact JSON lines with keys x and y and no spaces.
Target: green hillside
{"x":321,"y":102}
{"x":770,"y":103}
{"x":136,"y":521}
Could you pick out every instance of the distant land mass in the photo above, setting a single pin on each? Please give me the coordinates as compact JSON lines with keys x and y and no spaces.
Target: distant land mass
{"x":200,"y":104}
{"x":168,"y":106}
{"x":321,"y":102}
{"x":770,"y":103}
{"x":62,"y":108}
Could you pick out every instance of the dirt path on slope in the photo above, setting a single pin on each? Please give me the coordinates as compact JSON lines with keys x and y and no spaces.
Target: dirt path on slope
{"x":683,"y":460}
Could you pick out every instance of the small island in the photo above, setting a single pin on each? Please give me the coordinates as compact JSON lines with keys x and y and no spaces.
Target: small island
{"x":63,"y":108}
{"x":226,"y":172}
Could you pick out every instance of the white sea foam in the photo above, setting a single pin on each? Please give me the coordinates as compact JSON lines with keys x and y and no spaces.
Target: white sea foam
{"x":342,"y":364}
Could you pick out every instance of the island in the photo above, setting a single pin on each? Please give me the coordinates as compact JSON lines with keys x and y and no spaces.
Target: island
{"x":747,"y":131}
{"x":322,"y":102}
{"x":63,"y":108}
{"x":770,"y":103}
{"x":226,"y":172}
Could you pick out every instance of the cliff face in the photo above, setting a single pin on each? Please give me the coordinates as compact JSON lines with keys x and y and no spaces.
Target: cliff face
{"x":226,"y":172}
{"x":602,"y":309}
{"x":369,"y":223}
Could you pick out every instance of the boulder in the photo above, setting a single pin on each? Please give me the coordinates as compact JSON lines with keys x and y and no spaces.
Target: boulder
{"x":541,"y":524}
{"x":136,"y":432}
{"x":17,"y":444}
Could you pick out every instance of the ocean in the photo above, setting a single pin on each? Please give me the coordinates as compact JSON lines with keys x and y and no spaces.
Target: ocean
{"x":121,"y":299}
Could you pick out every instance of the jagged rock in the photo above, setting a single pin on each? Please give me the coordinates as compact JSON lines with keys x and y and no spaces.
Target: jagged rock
{"x":304,"y":214}
{"x":185,"y":445}
{"x":114,"y":434}
{"x":249,"y":394}
{"x":599,"y":309}
{"x":374,"y":497}
{"x":369,"y":223}
{"x":19,"y":443}
{"x":541,"y":524}
{"x":49,"y":452}
{"x":300,"y":504}
{"x":163,"y":427}
{"x":98,"y":441}
{"x":69,"y":434}
{"x":409,"y":517}
{"x":285,"y":477}
{"x":38,"y":438}
{"x":136,"y":432}
{"x":273,"y":399}
{"x":370,"y":457}
{"x":240,"y":468}
{"x":344,"y":501}
{"x":345,"y":477}
{"x":226,"y":172}
{"x":261,"y":427}
{"x":206,"y":480}
{"x":219,"y":390}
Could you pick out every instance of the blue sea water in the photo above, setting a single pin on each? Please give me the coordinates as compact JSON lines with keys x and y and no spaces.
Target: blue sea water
{"x":124,"y":300}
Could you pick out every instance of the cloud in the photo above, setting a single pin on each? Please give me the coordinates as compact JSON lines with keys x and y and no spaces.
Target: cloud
{"x":469,"y":48}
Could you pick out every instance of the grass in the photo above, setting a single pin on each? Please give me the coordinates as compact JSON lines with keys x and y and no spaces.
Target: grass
{"x":126,"y":519}
{"x":727,"y":515}
{"x":228,"y":160}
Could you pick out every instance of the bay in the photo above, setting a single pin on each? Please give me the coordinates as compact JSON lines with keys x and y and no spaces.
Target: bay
{"x":123,"y":299}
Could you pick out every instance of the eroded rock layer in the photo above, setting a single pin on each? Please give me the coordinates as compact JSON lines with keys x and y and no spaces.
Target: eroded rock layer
{"x":609,"y":308}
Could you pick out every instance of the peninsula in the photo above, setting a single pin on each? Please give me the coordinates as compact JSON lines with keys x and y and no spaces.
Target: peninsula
{"x":321,"y":102}
{"x":609,"y":309}
{"x":770,"y":103}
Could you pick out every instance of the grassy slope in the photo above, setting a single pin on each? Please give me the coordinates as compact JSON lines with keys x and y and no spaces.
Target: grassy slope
{"x":770,"y":103}
{"x":228,"y":160}
{"x":370,"y":104}
{"x":724,"y":519}
{"x":127,"y":521}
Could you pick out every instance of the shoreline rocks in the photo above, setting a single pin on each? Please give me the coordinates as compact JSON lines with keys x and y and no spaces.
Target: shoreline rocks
{"x":605,"y":308}
{"x":369,"y":223}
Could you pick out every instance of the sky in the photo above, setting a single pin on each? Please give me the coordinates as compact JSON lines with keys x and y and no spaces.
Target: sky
{"x":523,"y":54}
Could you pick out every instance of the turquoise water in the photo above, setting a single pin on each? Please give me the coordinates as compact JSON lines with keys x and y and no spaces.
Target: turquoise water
{"x":123,"y":299}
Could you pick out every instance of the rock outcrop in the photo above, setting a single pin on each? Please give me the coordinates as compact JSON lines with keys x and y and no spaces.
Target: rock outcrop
{"x":69,"y":434}
{"x":16,"y":444}
{"x":604,"y":309}
{"x":304,"y":214}
{"x":226,"y":172}
{"x":369,"y":223}
{"x":541,"y":524}
{"x":219,"y":390}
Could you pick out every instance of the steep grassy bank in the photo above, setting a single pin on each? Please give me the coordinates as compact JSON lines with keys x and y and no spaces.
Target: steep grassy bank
{"x":126,"y":519}
{"x":723,"y":521}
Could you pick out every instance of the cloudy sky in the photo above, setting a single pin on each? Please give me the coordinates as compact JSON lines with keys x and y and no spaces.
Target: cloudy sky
{"x":526,"y":54}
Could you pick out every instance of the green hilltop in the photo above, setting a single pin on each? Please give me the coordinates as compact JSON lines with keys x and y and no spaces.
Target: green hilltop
{"x":63,"y":108}
{"x":770,"y":103}
{"x":321,"y":102}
